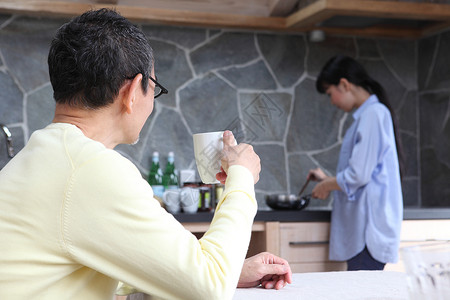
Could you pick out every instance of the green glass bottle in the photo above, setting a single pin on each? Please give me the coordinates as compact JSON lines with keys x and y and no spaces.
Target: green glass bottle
{"x":170,"y":177}
{"x":155,"y":176}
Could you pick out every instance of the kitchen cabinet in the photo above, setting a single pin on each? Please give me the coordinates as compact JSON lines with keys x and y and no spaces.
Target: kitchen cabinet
{"x":303,"y":244}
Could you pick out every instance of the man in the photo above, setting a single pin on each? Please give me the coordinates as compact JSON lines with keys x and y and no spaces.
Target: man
{"x":76,"y":217}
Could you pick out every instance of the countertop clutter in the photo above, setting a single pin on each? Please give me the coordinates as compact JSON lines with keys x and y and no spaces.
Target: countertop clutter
{"x":316,"y":215}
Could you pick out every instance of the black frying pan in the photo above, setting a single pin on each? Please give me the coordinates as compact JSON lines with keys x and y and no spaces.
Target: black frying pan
{"x":289,"y":201}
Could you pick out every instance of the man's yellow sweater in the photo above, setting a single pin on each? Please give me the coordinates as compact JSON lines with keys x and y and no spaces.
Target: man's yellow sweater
{"x":76,"y":218}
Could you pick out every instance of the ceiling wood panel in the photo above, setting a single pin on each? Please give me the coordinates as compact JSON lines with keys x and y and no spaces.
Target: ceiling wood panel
{"x":275,"y":15}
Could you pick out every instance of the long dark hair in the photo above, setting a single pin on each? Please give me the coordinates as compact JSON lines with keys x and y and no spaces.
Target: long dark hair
{"x":339,"y":67}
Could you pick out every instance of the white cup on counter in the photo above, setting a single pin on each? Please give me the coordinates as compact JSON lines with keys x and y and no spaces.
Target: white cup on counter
{"x":189,"y":198}
{"x":171,"y":199}
{"x":185,"y":199}
{"x":208,"y":148}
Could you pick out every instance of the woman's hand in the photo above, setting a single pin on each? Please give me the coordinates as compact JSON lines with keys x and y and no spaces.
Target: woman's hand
{"x":322,"y":189}
{"x":316,"y":175}
{"x":325,"y":186}
{"x":271,"y":271}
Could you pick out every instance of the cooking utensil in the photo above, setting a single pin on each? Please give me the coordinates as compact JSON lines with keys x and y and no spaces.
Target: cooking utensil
{"x":289,"y":201}
{"x":304,"y":187}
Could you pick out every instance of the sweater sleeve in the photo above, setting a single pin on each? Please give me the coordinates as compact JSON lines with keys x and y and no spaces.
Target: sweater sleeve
{"x":112,"y":224}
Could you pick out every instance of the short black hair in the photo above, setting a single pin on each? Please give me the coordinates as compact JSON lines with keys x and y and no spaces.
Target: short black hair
{"x":92,"y":55}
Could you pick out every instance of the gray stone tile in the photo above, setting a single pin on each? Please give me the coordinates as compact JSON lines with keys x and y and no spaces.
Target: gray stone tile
{"x":367,"y":48}
{"x":435,"y":149}
{"x":440,"y":75}
{"x":261,"y":199}
{"x":171,"y":69}
{"x":315,"y":122}
{"x":328,"y":160}
{"x":442,"y":145}
{"x":410,"y":148}
{"x":40,"y":108}
{"x":285,"y":55}
{"x":17,"y":39}
{"x":377,"y":70}
{"x":169,"y":134}
{"x":403,"y":65}
{"x":426,"y":51}
{"x":320,"y":53}
{"x":407,"y":113}
{"x":299,"y":166}
{"x":410,"y":189}
{"x":17,"y":141}
{"x":3,"y":18}
{"x":243,"y":133}
{"x":435,"y":176}
{"x":273,"y":171}
{"x":266,"y":114}
{"x":255,"y":76}
{"x":209,"y":104}
{"x":432,"y":125}
{"x":230,"y":48}
{"x":213,"y":32}
{"x":186,"y":37}
{"x":11,"y":100}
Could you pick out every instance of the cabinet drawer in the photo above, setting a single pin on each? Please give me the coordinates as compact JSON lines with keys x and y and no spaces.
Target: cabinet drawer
{"x":304,"y":242}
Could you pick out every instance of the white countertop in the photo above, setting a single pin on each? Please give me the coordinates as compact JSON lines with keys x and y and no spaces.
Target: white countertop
{"x":357,"y":285}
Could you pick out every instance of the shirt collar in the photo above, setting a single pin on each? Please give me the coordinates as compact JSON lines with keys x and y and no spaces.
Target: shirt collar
{"x":371,"y":100}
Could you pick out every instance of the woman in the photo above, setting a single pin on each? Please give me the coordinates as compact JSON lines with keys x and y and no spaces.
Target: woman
{"x":368,"y":205}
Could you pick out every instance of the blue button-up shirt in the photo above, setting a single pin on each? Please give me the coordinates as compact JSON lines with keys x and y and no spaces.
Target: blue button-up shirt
{"x":369,"y":209}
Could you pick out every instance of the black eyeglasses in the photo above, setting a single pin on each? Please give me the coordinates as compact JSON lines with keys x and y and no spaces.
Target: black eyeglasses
{"x":159,"y":89}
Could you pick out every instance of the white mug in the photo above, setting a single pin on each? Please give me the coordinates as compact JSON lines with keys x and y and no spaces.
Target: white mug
{"x":208,"y":150}
{"x":189,"y":199}
{"x":171,"y":199}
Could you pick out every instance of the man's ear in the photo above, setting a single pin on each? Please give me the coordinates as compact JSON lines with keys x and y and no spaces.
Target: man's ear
{"x":131,"y":92}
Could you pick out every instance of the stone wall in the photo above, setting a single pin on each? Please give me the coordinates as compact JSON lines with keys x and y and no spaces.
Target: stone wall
{"x":434,"y":116}
{"x":258,"y":84}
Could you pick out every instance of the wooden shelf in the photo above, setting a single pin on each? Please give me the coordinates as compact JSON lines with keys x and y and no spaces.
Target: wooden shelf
{"x":381,"y":18}
{"x":388,"y":18}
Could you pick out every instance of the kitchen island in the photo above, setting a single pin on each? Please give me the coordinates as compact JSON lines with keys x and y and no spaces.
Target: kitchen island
{"x":307,"y":286}
{"x":364,"y":285}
